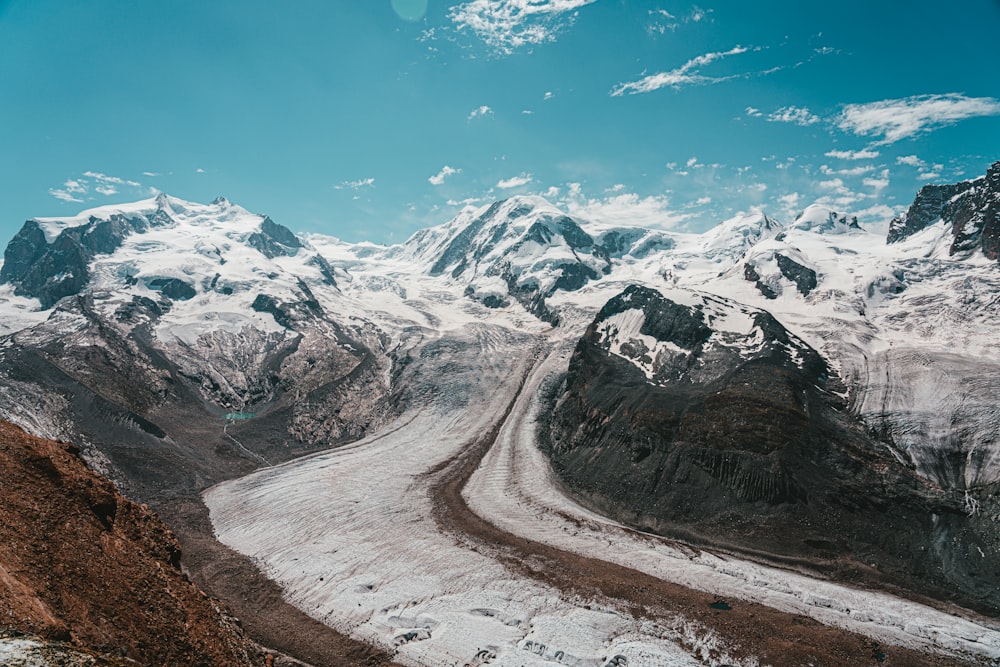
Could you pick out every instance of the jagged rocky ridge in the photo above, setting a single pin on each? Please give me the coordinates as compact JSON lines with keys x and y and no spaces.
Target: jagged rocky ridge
{"x":970,"y":208}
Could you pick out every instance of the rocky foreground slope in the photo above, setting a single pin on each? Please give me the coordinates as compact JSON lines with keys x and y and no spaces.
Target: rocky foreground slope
{"x":81,"y":564}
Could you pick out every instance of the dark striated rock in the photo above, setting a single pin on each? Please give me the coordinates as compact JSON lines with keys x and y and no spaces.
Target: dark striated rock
{"x":803,"y":277}
{"x":274,"y":240}
{"x":26,"y":248}
{"x":972,"y":208}
{"x":174,"y":288}
{"x":742,"y":442}
{"x":324,"y":268}
{"x":49,"y":272}
{"x":459,"y":245}
{"x":926,"y":209}
{"x":750,"y":274}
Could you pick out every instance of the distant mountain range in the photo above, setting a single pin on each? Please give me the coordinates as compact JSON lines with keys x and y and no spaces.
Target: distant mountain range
{"x":803,"y":391}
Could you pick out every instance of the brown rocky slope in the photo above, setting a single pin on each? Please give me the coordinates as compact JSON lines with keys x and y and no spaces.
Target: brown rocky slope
{"x":81,"y":563}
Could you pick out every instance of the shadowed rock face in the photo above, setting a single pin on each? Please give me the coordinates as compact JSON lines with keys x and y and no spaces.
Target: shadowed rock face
{"x":972,"y":208}
{"x":746,"y":444}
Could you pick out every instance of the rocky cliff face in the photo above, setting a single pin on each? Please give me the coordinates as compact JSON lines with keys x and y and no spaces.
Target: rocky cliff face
{"x":971,"y":208}
{"x":81,"y":564}
{"x":695,"y":417}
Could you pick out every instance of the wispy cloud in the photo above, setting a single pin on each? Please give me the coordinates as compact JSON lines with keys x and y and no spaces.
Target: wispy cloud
{"x":660,"y":20}
{"x":893,"y":120}
{"x":446,"y":171}
{"x":688,"y":74}
{"x":113,"y":180}
{"x":79,"y":189}
{"x":507,"y":25}
{"x":478,"y":112}
{"x":791,"y":114}
{"x":356,"y":185}
{"x":514,"y":182}
{"x":853,"y":155}
{"x":72,"y":190}
{"x":853,"y":171}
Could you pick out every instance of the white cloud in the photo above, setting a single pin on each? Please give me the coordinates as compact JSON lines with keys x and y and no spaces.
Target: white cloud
{"x":755,"y":113}
{"x":76,"y":189}
{"x":832,"y":184}
{"x":150,"y":173}
{"x":626,"y":208}
{"x":877,"y":183}
{"x":702,"y":201}
{"x":853,"y":155}
{"x":64,"y":195}
{"x":910,"y":161}
{"x":548,"y":95}
{"x":928,"y":175}
{"x":527,"y":112}
{"x":791,"y":114}
{"x":853,"y":171}
{"x":480,"y":111}
{"x":199,"y":170}
{"x":687,"y":74}
{"x":507,"y":25}
{"x":75,"y":186}
{"x":514,"y":182}
{"x":692,"y":162}
{"x":104,"y":178}
{"x":445,"y":172}
{"x":893,"y":120}
{"x":356,"y":185}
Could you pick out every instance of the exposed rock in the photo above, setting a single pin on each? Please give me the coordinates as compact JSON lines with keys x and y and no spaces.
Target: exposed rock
{"x":175,"y":288}
{"x":738,"y":438}
{"x":82,"y":564}
{"x":274,"y":240}
{"x":51,"y":271}
{"x":972,"y":208}
{"x":803,"y":277}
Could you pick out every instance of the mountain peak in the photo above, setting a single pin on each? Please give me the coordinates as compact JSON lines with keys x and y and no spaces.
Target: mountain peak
{"x":823,"y":219}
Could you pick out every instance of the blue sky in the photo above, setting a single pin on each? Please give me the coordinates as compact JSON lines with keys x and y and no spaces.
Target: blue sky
{"x":369,"y":120}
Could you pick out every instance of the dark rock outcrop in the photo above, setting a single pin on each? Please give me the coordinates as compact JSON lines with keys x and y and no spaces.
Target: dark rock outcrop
{"x":803,"y":277}
{"x":274,"y":240}
{"x":972,"y":208}
{"x":51,"y":271}
{"x":741,"y":441}
{"x":174,"y":288}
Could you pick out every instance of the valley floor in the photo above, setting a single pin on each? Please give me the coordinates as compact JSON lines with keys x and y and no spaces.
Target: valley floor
{"x":444,"y":539}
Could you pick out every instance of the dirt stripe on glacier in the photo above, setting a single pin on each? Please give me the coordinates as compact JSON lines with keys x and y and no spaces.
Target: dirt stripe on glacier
{"x":745,"y":629}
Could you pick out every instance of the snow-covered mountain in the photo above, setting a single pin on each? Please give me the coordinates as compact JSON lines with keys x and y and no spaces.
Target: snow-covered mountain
{"x":136,"y":329}
{"x":163,"y":306}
